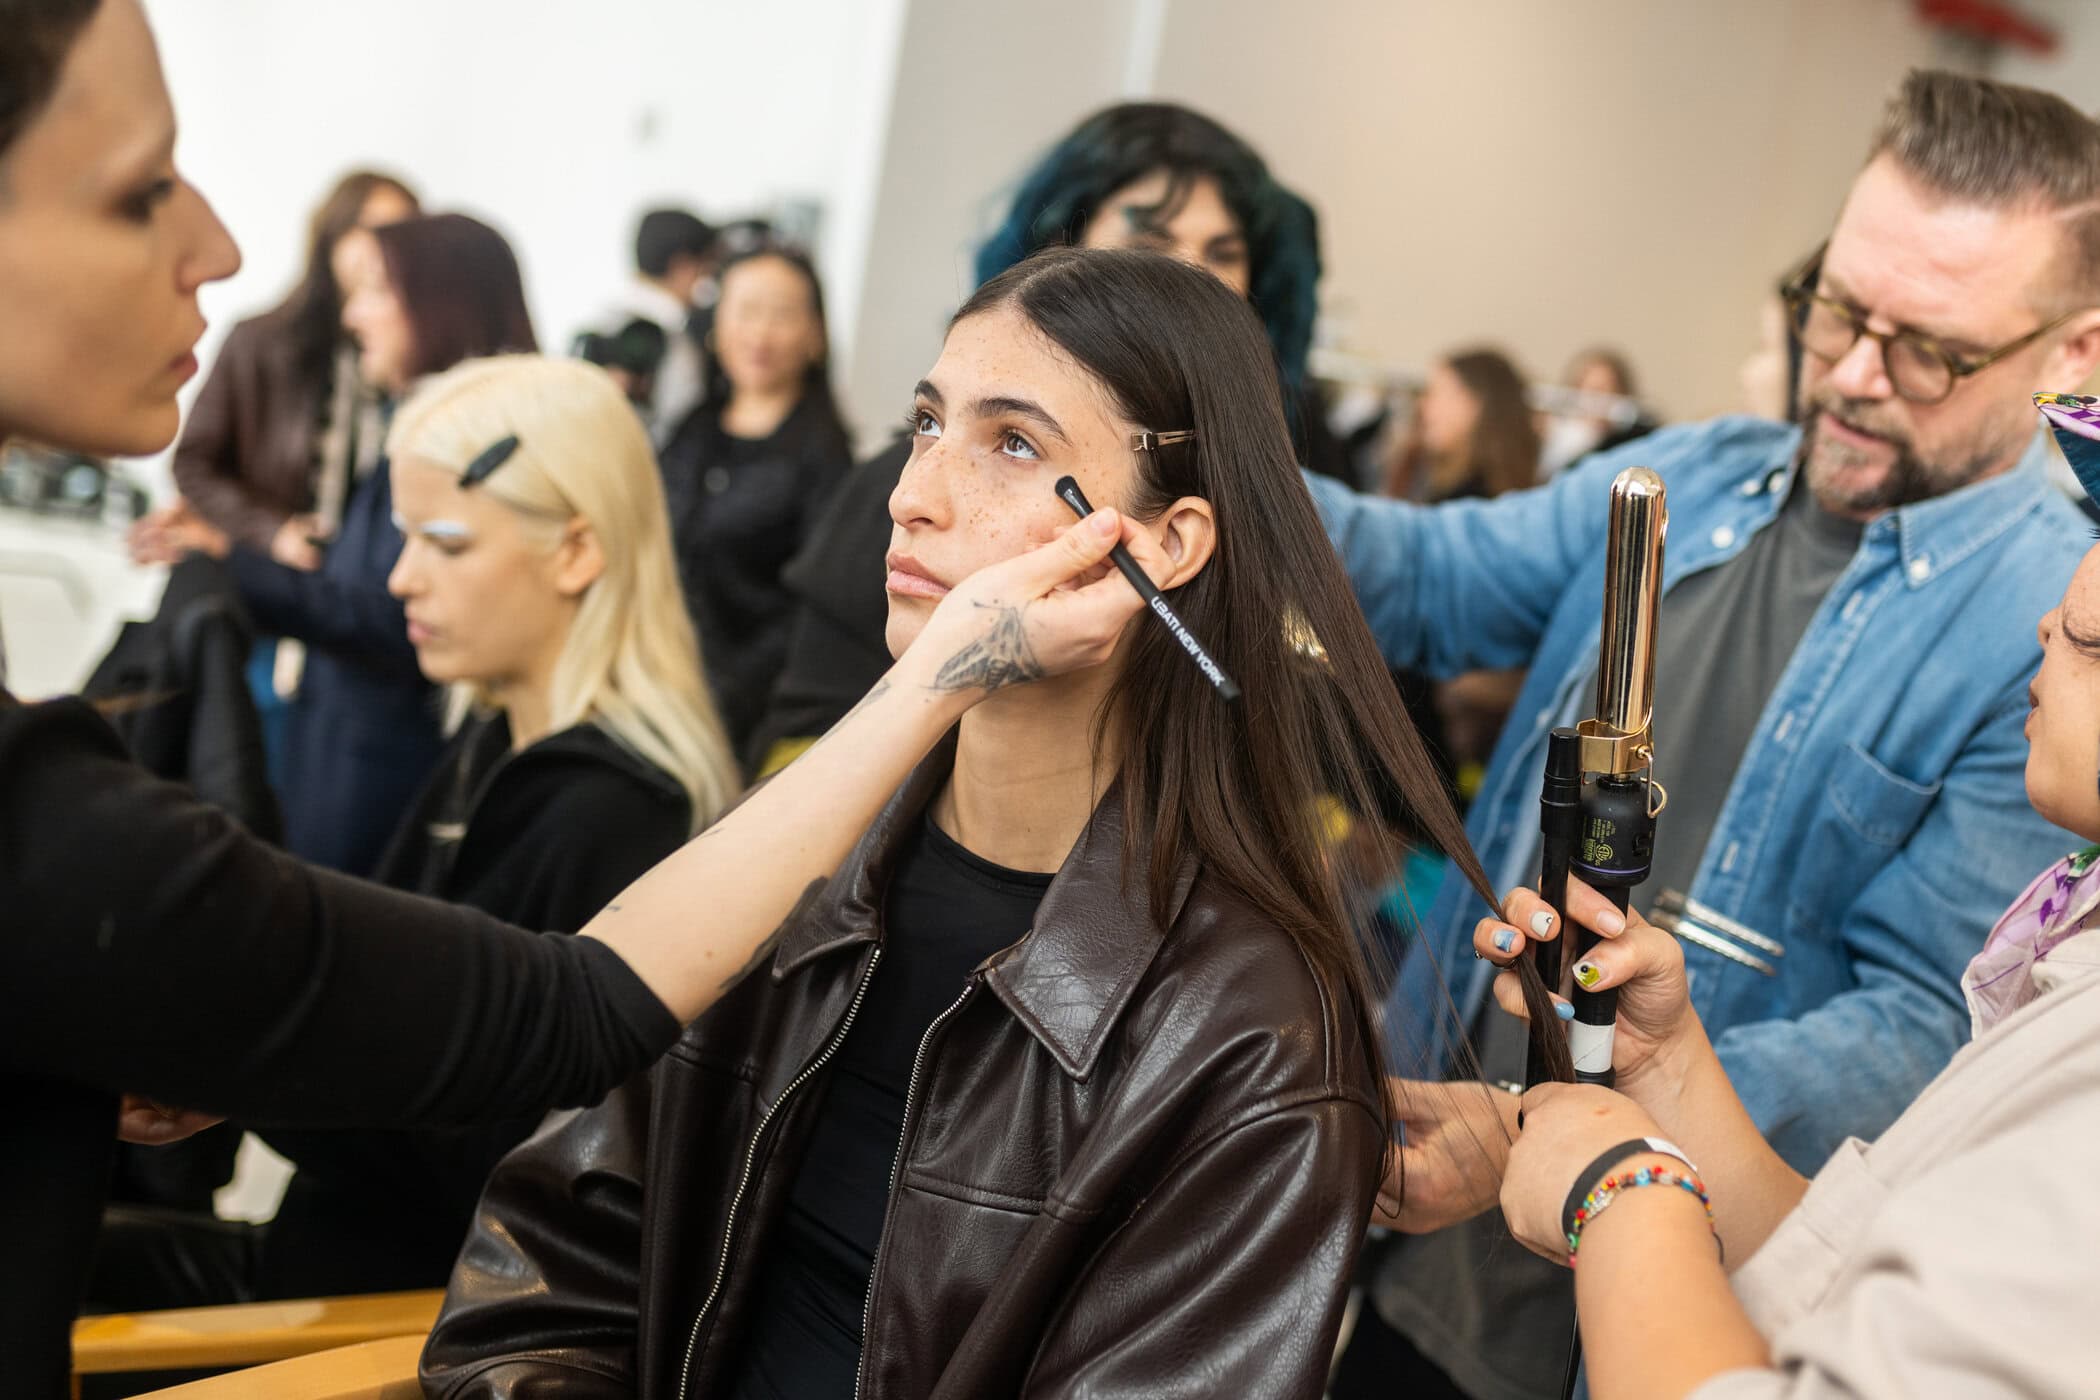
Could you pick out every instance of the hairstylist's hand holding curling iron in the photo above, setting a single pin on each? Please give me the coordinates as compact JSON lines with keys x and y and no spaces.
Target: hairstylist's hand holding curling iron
{"x":1029,"y":617}
{"x":1640,"y":960}
{"x":1666,"y":1067}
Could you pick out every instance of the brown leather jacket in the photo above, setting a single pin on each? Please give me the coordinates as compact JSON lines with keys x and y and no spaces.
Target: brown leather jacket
{"x":1136,"y":1161}
{"x":246,"y":456}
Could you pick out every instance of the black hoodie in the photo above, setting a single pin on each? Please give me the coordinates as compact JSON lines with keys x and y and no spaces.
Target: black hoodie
{"x":543,"y":838}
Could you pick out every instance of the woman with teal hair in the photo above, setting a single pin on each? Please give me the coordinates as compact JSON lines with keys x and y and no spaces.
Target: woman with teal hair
{"x":1152,"y":175}
{"x":1136,"y":174}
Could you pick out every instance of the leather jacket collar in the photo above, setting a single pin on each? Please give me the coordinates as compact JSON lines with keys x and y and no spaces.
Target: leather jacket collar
{"x":1071,"y":977}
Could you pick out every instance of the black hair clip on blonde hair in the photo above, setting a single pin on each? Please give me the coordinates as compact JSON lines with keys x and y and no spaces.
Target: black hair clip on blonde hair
{"x":494,"y":456}
{"x":1152,"y":442}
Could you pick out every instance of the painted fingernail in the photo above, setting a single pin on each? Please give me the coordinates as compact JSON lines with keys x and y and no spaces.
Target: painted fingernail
{"x":1611,"y":921}
{"x":1542,"y":922}
{"x":1564,"y":1010}
{"x":1505,"y":939}
{"x":1588,"y":974}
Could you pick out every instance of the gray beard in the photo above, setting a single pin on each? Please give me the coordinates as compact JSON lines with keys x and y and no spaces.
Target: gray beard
{"x":1907,"y":480}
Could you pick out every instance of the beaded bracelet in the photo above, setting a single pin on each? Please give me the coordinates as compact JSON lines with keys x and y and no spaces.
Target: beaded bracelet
{"x":1611,"y":1187}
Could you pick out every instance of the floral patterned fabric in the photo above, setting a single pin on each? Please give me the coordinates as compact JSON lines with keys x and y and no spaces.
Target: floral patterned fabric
{"x":2062,"y":903}
{"x":2075,"y":420}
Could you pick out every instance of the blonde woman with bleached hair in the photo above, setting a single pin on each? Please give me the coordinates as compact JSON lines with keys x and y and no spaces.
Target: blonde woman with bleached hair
{"x":571,"y":614}
{"x":539,"y":586}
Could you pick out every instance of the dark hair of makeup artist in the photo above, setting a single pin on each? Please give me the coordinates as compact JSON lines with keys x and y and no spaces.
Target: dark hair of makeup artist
{"x":1241,"y":787}
{"x":35,"y":37}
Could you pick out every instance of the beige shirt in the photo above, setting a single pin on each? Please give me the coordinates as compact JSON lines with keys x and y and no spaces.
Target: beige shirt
{"x":1959,"y":1255}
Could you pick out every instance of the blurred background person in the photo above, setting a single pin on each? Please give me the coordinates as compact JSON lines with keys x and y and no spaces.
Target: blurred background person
{"x":1150,"y":175}
{"x":748,"y":473}
{"x":364,"y":727}
{"x":675,"y":257}
{"x":1472,"y":432}
{"x":544,"y":596}
{"x":1473,"y":435}
{"x":1768,"y":372}
{"x":1566,"y":437}
{"x":273,"y":441}
{"x":284,"y":426}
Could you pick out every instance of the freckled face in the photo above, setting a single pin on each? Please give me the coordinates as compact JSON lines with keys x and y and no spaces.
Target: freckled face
{"x":1000,"y":417}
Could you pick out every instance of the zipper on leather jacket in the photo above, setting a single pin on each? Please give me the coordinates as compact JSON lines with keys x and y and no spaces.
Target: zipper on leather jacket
{"x":743,"y":1185}
{"x":911,"y":1093}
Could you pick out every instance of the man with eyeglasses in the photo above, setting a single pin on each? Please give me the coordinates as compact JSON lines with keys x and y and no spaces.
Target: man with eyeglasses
{"x":1844,"y":650}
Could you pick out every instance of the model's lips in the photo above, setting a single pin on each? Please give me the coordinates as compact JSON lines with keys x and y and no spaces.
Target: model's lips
{"x":420,"y":633}
{"x":909,"y":579}
{"x":183,"y":366}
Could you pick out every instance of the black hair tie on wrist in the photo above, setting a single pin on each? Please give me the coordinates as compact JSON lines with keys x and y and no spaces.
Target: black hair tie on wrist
{"x":1586,"y":1179}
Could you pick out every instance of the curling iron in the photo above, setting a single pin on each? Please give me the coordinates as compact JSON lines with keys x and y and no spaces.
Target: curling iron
{"x":1599,"y":801}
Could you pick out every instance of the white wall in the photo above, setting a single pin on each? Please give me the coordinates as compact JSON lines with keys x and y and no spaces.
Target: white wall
{"x":557,"y":123}
{"x":1630,"y":171}
{"x":982,"y":88}
{"x":1635,"y":171}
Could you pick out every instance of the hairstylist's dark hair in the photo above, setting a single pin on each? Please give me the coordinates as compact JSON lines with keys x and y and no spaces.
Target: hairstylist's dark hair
{"x":1240,"y":787}
{"x":35,"y":37}
{"x":1059,"y":197}
{"x":459,"y":287}
{"x":316,"y":304}
{"x":817,"y":379}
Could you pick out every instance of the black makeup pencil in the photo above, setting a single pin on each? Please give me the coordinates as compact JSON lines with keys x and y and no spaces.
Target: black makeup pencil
{"x":1068,"y":491}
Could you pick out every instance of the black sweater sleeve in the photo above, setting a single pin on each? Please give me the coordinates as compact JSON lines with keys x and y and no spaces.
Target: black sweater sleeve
{"x":149,"y":944}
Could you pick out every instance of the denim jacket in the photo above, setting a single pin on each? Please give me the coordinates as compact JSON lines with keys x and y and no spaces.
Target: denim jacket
{"x":1878,"y":821}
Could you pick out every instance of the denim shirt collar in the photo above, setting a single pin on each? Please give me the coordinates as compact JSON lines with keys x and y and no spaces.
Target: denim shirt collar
{"x":1937,"y":534}
{"x":1932,"y":535}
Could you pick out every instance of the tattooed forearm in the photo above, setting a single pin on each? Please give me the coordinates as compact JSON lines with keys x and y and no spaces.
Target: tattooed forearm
{"x":1000,"y":658}
{"x":881,"y":689}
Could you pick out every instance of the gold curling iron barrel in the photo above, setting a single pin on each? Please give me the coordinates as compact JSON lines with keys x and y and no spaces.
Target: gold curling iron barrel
{"x":1607,"y":836}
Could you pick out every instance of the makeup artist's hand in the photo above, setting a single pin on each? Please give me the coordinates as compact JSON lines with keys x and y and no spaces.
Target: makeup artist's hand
{"x":1566,"y":1126}
{"x":1455,"y":1140}
{"x":1042,"y":613}
{"x":1643,"y":962}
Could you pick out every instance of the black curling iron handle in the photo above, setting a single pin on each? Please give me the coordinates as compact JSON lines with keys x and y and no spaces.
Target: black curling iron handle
{"x":1560,"y":831}
{"x":1590,"y":1033}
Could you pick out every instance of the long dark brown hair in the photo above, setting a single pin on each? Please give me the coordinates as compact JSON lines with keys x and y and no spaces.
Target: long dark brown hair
{"x":316,"y":304}
{"x":458,"y":283}
{"x":1500,"y":454}
{"x":1241,"y":787}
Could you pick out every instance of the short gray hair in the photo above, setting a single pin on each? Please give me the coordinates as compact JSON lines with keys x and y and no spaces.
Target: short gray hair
{"x":2002,"y":147}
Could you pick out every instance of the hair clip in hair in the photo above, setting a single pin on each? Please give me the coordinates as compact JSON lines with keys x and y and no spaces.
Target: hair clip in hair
{"x":1152,"y":442}
{"x":494,"y":456}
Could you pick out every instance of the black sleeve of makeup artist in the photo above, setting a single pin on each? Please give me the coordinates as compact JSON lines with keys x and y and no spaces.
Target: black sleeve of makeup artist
{"x":151,"y":945}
